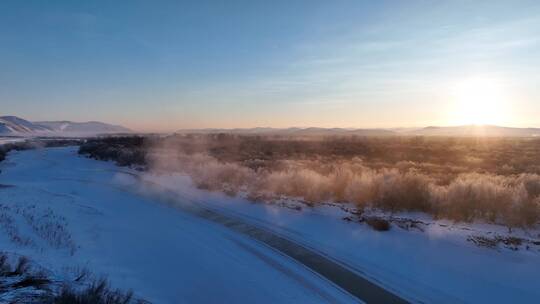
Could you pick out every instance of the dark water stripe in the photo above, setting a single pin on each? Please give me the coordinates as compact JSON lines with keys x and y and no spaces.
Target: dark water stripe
{"x":345,"y":278}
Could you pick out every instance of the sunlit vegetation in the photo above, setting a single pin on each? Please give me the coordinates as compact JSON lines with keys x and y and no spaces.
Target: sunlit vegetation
{"x":463,"y":179}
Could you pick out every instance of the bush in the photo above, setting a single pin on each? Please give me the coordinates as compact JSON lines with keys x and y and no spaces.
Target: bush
{"x":509,"y":200}
{"x":99,"y":292}
{"x":403,"y":191}
{"x":378,"y":224}
{"x":26,"y":282}
{"x":22,"y":266}
{"x":456,"y":178}
{"x":126,"y":151}
{"x":32,"y":144}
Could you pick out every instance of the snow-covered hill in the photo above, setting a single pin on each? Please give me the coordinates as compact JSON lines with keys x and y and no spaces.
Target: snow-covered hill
{"x":82,"y":127}
{"x":12,"y":125}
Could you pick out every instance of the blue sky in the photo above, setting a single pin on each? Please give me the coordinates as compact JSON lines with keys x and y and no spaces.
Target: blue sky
{"x":164,"y":65}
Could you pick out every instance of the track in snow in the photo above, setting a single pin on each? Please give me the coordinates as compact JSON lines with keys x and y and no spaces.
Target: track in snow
{"x":332,"y":270}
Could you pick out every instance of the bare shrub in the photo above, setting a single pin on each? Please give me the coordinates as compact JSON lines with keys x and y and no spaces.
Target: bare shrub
{"x":474,"y":195}
{"x":22,"y":266}
{"x":378,"y":224}
{"x":208,"y":173}
{"x":23,"y":281}
{"x":4,"y":265}
{"x":465,"y":179}
{"x":531,"y":182}
{"x":50,"y":226}
{"x":99,"y":292}
{"x":8,"y":225}
{"x":511,"y":200}
{"x":507,"y":199}
{"x":402,"y":191}
{"x":362,"y":188}
{"x":303,"y":183}
{"x":96,"y":292}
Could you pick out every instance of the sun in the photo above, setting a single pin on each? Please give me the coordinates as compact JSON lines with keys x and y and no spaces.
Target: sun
{"x":478,"y":101}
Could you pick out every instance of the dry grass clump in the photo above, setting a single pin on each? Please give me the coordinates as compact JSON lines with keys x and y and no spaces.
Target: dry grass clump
{"x":99,"y":292}
{"x":23,"y":281}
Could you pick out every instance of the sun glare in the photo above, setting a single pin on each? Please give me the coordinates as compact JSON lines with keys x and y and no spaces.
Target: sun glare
{"x":478,"y":101}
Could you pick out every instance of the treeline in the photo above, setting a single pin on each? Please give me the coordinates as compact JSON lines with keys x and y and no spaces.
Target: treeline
{"x":512,"y":200}
{"x":431,"y":155}
{"x":18,"y":146}
{"x":35,"y":143}
{"x":464,"y":179}
{"x":125,"y":151}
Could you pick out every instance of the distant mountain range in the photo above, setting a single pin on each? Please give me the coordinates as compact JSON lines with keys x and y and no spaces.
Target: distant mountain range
{"x":476,"y":130}
{"x":466,"y":131}
{"x":295,"y":131}
{"x":15,"y":126}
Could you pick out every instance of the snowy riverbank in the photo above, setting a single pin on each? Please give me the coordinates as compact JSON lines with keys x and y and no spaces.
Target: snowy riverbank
{"x":116,"y":225}
{"x":164,"y":255}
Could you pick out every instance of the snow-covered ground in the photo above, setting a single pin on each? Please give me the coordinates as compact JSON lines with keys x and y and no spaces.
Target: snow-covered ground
{"x":7,"y":140}
{"x":67,"y":212}
{"x":436,"y":265}
{"x":117,"y":225}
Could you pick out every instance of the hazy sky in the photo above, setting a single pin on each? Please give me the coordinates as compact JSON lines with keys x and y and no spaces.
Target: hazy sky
{"x":164,"y":65}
